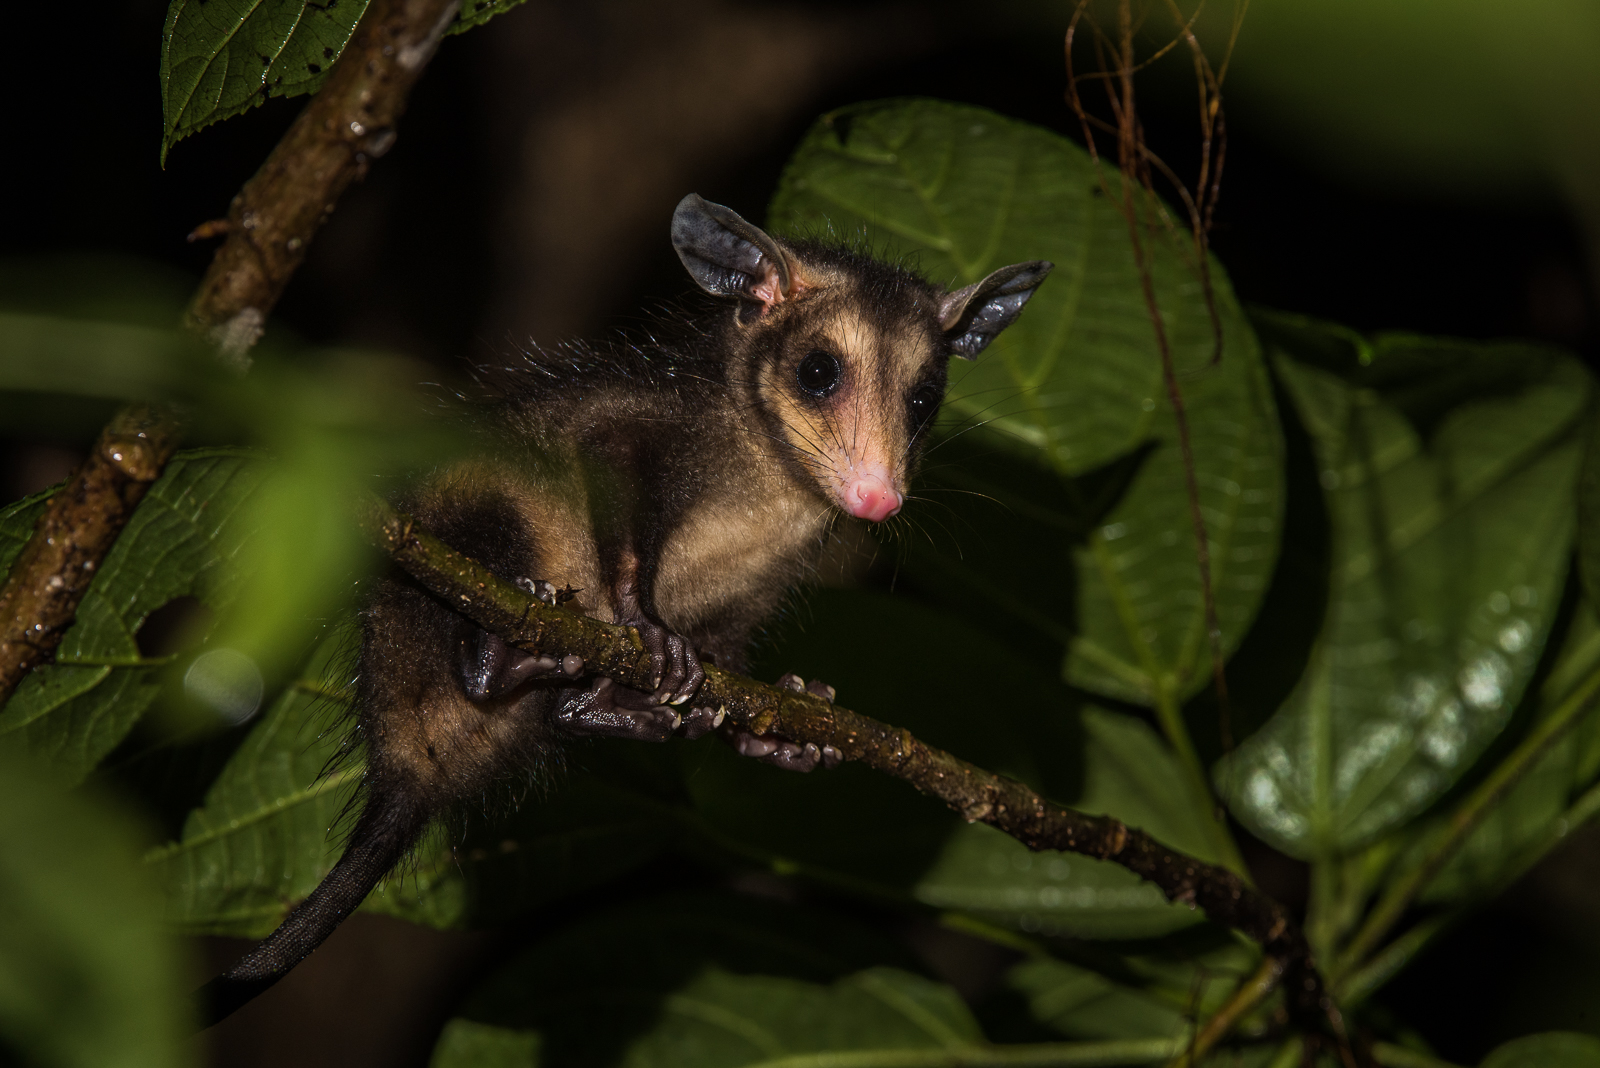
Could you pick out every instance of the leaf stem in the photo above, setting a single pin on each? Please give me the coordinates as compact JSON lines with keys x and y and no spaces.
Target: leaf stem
{"x":1170,"y":715}
{"x":1466,"y":817}
{"x":1250,"y":993}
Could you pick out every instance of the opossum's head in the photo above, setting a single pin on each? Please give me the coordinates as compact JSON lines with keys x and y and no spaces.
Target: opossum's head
{"x":842,"y":359}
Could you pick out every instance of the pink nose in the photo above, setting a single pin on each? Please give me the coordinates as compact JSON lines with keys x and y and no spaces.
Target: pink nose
{"x":870,"y":498}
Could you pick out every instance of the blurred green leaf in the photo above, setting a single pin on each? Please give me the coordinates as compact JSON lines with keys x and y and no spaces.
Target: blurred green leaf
{"x":1075,"y":384}
{"x":1554,"y":1049}
{"x":122,"y":361}
{"x":220,"y":58}
{"x":89,"y":978}
{"x":1449,"y":470}
{"x":74,"y":711}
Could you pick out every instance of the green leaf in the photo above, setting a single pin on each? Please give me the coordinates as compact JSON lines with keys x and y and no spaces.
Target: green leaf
{"x":1074,"y":386}
{"x":1130,"y":775}
{"x":1553,"y":1049}
{"x":707,"y":981}
{"x":120,"y":361}
{"x":89,"y":978}
{"x":1448,"y":470}
{"x":220,"y":58}
{"x":1534,"y":814}
{"x":74,"y":711}
{"x":1150,"y":996}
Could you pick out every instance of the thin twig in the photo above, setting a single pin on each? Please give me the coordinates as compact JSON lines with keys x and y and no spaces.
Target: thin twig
{"x":616,"y":652}
{"x":1252,"y":992}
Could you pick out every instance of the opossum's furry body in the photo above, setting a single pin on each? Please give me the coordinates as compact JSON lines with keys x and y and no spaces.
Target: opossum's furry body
{"x":682,"y":489}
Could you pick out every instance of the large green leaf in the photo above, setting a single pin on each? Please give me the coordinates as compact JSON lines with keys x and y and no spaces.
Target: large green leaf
{"x":1448,"y":469}
{"x":269,"y":829}
{"x":89,"y":978}
{"x":1075,"y":385}
{"x":1553,"y":1049}
{"x":220,"y":58}
{"x":1536,"y":813}
{"x":75,"y":710}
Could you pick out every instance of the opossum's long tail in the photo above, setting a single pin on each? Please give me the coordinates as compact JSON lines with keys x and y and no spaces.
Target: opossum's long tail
{"x":388,"y":827}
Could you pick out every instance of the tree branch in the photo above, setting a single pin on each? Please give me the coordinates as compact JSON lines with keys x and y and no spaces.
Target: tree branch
{"x":40,"y":597}
{"x":350,"y":122}
{"x":617,"y":653}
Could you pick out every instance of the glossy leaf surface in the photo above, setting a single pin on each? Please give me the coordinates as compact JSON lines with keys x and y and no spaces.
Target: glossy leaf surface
{"x":1074,"y":386}
{"x":1449,"y":471}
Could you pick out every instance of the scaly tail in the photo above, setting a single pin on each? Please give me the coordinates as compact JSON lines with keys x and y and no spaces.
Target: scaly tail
{"x":388,"y":827}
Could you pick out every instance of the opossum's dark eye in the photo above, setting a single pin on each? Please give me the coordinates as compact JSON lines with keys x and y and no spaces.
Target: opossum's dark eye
{"x":818,"y":373}
{"x":924,"y":403}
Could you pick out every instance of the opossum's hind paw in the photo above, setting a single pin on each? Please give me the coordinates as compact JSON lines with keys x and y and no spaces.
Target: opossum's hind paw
{"x":780,"y":753}
{"x":606,"y":710}
{"x":674,"y":664}
{"x":816,"y":687}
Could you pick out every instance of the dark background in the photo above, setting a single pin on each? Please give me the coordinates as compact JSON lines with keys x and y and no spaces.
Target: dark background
{"x":528,"y":197}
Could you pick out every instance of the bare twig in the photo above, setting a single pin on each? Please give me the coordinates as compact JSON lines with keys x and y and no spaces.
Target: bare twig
{"x":40,"y":598}
{"x":350,"y":122}
{"x":617,"y":653}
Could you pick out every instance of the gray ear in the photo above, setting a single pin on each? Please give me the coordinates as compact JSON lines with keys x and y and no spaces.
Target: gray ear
{"x":727,"y":255}
{"x":974,"y":315}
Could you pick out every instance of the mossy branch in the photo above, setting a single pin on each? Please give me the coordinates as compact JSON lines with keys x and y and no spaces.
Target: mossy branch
{"x":617,"y":653}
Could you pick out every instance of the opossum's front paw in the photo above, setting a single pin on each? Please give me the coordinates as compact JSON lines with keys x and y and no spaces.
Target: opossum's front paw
{"x":607,"y":710}
{"x":781,"y":753}
{"x":675,"y":669}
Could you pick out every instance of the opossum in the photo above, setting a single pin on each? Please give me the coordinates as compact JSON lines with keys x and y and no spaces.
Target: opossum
{"x":681,"y":487}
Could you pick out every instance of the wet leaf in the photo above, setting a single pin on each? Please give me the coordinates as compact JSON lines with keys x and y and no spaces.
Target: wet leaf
{"x":1073,"y":387}
{"x":1449,"y":470}
{"x":74,"y":711}
{"x":89,"y":978}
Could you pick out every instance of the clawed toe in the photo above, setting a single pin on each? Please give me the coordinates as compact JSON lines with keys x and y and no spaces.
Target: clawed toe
{"x":816,"y":687}
{"x":675,"y":669}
